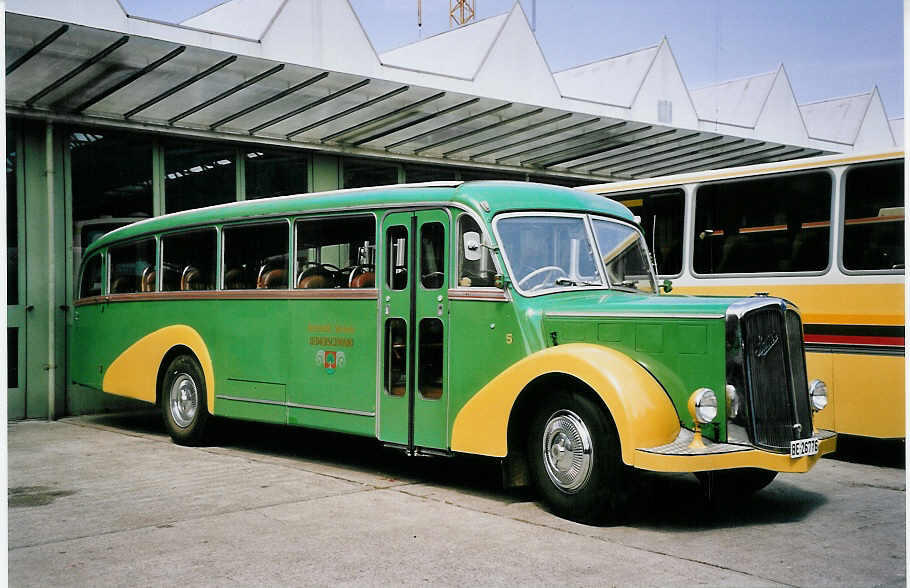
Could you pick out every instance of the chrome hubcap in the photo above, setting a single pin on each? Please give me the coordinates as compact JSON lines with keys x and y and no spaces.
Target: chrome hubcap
{"x":567,"y":453}
{"x":184,"y":400}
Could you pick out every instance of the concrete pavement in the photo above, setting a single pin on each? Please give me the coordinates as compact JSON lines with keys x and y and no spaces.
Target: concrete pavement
{"x":108,"y":500}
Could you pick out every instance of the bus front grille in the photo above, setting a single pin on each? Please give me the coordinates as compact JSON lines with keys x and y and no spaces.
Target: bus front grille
{"x":775,"y":378}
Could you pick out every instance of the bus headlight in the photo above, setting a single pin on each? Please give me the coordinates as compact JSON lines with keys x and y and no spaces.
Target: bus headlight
{"x":733,"y":403}
{"x":818,"y":395}
{"x":703,"y":405}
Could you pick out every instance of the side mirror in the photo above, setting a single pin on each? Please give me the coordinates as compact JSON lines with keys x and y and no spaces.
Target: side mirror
{"x":472,"y":246}
{"x":667,"y":286}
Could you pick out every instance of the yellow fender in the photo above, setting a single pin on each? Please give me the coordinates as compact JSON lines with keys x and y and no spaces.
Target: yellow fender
{"x":643,"y":413}
{"x":135,"y":371}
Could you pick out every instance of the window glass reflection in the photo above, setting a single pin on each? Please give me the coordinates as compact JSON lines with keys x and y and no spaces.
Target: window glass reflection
{"x":197,"y":175}
{"x":274,"y":173}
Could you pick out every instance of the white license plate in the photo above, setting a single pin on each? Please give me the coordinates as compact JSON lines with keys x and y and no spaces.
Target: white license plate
{"x":802,"y":447}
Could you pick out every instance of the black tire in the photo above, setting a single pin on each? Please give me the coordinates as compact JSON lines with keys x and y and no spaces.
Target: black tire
{"x":736,"y":483}
{"x":186,"y":415}
{"x":600,"y":489}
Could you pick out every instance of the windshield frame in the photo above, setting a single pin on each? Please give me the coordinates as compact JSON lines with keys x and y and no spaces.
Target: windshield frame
{"x":587,"y":219}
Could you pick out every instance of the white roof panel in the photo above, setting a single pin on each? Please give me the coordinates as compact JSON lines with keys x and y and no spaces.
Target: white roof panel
{"x":837,"y":119}
{"x":613,"y":81}
{"x":737,"y":102}
{"x":243,"y":18}
{"x":458,"y":53}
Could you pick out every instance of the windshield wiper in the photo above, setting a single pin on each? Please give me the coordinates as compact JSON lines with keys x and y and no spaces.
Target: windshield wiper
{"x":568,"y":282}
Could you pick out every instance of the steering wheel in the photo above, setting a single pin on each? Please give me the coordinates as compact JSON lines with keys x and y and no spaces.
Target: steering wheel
{"x":539,"y":271}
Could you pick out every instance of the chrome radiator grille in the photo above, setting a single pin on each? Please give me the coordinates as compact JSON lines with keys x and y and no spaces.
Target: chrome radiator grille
{"x":774,"y":374}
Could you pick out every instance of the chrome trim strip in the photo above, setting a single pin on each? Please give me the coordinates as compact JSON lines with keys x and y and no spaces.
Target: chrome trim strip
{"x":331,"y":409}
{"x":253,"y":400}
{"x":579,"y":314}
{"x":295,"y":405}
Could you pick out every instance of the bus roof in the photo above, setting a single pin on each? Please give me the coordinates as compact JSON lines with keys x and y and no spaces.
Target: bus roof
{"x":486,"y":198}
{"x":741,"y":171}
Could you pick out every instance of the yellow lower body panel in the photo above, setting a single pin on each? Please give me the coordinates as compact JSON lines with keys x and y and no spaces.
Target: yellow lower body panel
{"x":725,"y":457}
{"x":134,"y":373}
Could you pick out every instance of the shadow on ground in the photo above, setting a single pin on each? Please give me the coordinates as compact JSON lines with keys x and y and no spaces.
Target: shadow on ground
{"x":890,"y":453}
{"x":674,"y":502}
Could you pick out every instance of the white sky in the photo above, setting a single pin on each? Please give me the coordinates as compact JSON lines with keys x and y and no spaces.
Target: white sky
{"x":830,"y":48}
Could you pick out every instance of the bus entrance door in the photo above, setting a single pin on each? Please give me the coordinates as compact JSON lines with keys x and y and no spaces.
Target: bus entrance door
{"x":414,"y":319}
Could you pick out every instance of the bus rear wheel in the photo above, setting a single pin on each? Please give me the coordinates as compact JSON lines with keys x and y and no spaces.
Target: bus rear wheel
{"x":575,"y":459}
{"x":183,"y":398}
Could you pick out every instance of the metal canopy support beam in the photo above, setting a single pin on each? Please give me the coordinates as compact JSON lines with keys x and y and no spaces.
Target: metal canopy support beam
{"x":450,"y":125}
{"x":552,"y":133}
{"x":679,"y":156}
{"x":621,"y":145}
{"x":624,"y":156}
{"x":203,"y":74}
{"x":417,"y":121}
{"x":130,"y":79}
{"x":478,"y":131}
{"x":599,"y":131}
{"x":267,"y":101}
{"x":501,"y":123}
{"x":312,"y":104}
{"x":227,"y":93}
{"x":382,"y":117}
{"x":78,"y":69}
{"x":691,"y":164}
{"x":36,"y":49}
{"x":582,"y":150}
{"x":348,"y":111}
{"x":755,"y":157}
{"x":514,"y":132}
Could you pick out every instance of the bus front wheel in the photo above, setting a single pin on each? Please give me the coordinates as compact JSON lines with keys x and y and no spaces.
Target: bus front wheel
{"x":575,"y":459}
{"x":183,"y":398}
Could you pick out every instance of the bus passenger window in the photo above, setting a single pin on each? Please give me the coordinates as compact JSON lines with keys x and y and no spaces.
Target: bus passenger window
{"x":475,"y":264}
{"x":874,"y":217}
{"x":133,"y":267}
{"x":91,"y":277}
{"x":432,"y":255}
{"x":336,"y":252}
{"x":396,"y":357}
{"x":188,"y":261}
{"x":662,"y":221}
{"x":397,"y":257}
{"x":430,"y":359}
{"x":256,"y":256}
{"x":776,"y":224}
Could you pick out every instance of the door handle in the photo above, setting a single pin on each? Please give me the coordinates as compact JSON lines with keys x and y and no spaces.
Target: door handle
{"x":30,"y":308}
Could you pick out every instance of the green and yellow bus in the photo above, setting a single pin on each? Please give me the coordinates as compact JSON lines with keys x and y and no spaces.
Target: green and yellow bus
{"x":826,"y":233}
{"x":503,"y":319}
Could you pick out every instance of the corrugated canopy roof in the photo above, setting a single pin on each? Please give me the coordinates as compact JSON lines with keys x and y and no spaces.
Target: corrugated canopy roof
{"x":156,"y":76}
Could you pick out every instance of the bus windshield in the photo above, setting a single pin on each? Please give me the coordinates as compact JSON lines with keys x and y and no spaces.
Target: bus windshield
{"x":551,"y":252}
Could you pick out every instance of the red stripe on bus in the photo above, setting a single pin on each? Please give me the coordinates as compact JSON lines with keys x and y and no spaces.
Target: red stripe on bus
{"x":855,"y":340}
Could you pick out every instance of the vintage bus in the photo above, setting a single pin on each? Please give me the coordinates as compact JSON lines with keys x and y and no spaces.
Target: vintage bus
{"x":826,"y":233}
{"x":502,"y":319}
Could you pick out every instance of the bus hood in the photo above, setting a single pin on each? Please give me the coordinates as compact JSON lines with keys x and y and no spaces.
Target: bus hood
{"x":615,"y":303}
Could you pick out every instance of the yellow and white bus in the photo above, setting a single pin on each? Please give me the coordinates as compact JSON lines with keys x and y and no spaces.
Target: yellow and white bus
{"x":826,"y":233}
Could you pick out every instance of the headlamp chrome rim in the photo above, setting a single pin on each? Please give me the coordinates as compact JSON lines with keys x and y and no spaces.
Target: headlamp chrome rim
{"x":818,"y":395}
{"x":703,"y":406}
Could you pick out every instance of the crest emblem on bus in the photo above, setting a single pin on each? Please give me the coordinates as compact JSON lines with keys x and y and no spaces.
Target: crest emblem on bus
{"x":330,"y":360}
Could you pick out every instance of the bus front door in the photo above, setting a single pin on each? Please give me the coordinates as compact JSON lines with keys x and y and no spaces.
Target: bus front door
{"x":414,"y":317}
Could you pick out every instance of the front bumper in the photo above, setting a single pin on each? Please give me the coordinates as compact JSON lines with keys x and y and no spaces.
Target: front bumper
{"x":676,"y":456}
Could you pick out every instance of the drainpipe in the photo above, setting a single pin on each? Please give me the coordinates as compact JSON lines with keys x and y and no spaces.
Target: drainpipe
{"x":52,"y":274}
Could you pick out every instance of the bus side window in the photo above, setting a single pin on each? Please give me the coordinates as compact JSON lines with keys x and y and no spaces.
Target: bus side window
{"x":91,"y":277}
{"x":336,"y":252}
{"x":475,"y":264}
{"x":188,"y":261}
{"x":662,"y":216}
{"x":775,"y":224}
{"x":256,"y":256}
{"x":874,"y":217}
{"x":133,"y":267}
